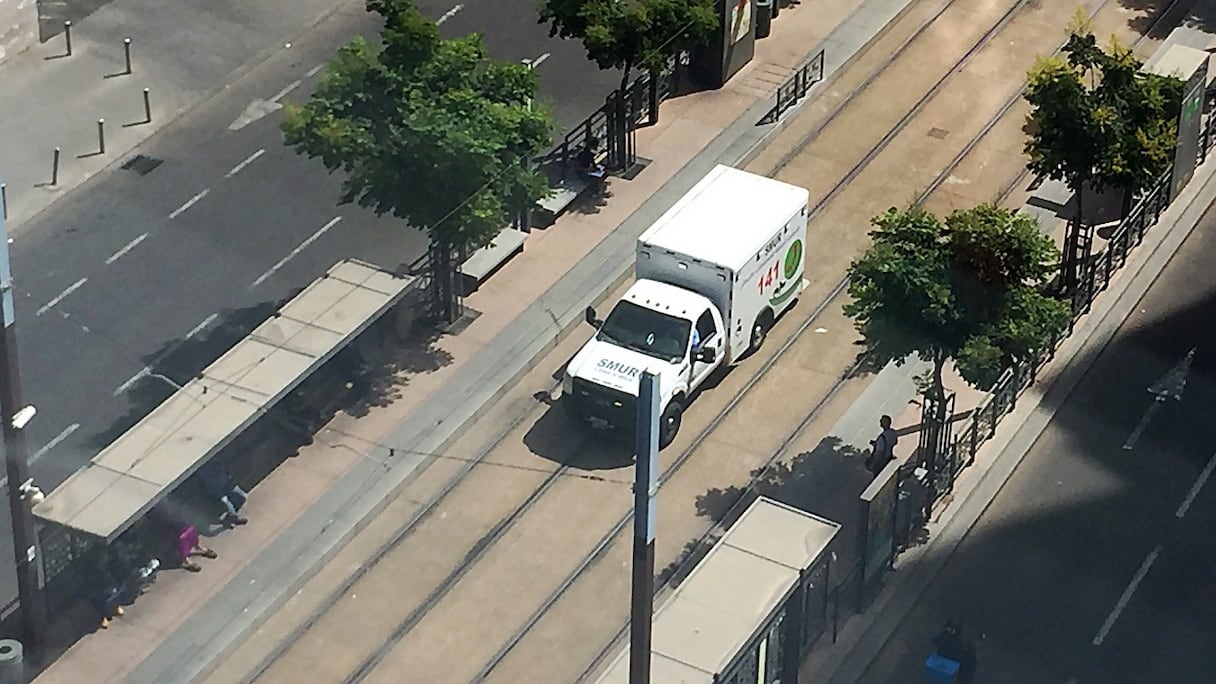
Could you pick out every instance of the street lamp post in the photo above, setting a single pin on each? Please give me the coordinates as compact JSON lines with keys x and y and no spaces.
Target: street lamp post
{"x":645,"y":489}
{"x":14,"y":417}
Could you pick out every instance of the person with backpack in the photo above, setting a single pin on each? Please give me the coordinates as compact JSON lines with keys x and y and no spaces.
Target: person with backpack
{"x":882,"y":449}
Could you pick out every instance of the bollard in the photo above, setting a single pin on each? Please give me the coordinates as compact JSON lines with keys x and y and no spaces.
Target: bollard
{"x":12,"y":661}
{"x":101,"y":136}
{"x":147,"y":107}
{"x":126,"y":51}
{"x":55,"y":168}
{"x":67,"y":36}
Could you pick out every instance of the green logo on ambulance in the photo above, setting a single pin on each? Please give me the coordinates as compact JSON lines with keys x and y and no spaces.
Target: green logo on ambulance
{"x":792,"y":267}
{"x":793,"y":259}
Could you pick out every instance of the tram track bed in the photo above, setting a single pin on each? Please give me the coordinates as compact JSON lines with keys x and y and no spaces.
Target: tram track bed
{"x":507,"y":560}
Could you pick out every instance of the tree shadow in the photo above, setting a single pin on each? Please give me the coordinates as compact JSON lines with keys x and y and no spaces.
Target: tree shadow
{"x":1157,"y":18}
{"x":692,"y":554}
{"x":825,"y":481}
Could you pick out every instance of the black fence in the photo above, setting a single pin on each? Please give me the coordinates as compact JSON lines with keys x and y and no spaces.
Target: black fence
{"x":641,"y":106}
{"x":1095,"y":274}
{"x":796,"y":88}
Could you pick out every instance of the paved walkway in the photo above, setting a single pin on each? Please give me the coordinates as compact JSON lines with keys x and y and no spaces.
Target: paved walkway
{"x":309,"y":507}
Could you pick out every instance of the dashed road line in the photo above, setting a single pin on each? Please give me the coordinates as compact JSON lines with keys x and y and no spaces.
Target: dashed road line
{"x":303,"y":245}
{"x":58,"y":439}
{"x":286,"y":90}
{"x":248,"y":160}
{"x":1127,"y":596}
{"x":143,"y":373}
{"x":189,"y":203}
{"x":313,"y":71}
{"x":126,"y":248}
{"x":62,"y":295}
{"x":449,"y":14}
{"x":1195,"y":488}
{"x":202,"y":326}
{"x":538,"y":61}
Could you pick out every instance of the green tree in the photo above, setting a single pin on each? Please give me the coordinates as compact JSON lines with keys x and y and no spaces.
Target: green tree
{"x":624,"y":34}
{"x":1097,"y":119}
{"x":970,"y":288}
{"x":629,"y":34}
{"x":430,"y":131}
{"x":1147,"y":107}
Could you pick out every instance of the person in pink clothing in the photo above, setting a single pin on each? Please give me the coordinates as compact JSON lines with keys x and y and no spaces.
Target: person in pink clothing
{"x":190,"y":544}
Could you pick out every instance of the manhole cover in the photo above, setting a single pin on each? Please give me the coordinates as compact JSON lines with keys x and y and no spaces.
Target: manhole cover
{"x":142,"y":164}
{"x":939,"y":133}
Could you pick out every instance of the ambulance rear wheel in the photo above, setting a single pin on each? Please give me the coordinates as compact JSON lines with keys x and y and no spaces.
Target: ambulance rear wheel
{"x":760,"y":330}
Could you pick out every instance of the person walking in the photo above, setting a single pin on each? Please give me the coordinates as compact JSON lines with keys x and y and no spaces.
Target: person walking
{"x":882,"y":449}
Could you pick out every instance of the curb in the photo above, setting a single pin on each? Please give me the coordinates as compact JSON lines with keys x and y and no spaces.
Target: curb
{"x":864,"y":635}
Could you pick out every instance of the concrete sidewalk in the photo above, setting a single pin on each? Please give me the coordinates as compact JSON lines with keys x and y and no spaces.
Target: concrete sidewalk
{"x":308,"y":509}
{"x":182,"y":52}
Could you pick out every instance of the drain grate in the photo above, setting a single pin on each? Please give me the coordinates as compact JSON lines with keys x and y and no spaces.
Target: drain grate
{"x":939,"y":133}
{"x":142,"y":164}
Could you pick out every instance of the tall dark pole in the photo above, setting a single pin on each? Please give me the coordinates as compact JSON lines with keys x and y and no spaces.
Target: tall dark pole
{"x":645,"y":488}
{"x":33,"y":610}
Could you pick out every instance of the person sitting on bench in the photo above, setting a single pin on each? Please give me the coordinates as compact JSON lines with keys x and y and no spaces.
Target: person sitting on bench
{"x":587,"y":164}
{"x":219,"y":484}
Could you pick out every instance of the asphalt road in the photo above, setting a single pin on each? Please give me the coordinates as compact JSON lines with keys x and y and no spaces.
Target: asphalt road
{"x":1095,"y":563}
{"x":169,"y":269}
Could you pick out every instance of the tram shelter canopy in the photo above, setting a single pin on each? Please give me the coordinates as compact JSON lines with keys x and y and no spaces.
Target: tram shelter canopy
{"x":140,"y":468}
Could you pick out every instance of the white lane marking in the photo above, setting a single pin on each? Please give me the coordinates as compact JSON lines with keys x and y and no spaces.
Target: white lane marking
{"x":67,"y":432}
{"x":126,"y":248}
{"x":248,"y":160}
{"x":255,"y":111}
{"x":286,"y":91}
{"x":1195,"y":488}
{"x":132,"y":380}
{"x":449,"y":14}
{"x":202,"y":326}
{"x":539,"y":60}
{"x":189,"y":203}
{"x":62,"y":295}
{"x":303,"y":245}
{"x":1153,"y":408}
{"x":314,"y":71}
{"x":1127,"y":596}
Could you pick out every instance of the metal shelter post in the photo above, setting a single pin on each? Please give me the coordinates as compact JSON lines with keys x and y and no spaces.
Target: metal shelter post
{"x":25,"y":540}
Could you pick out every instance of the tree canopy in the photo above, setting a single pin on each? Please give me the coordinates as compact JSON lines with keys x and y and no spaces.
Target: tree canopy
{"x":969,"y":288}
{"x":623,"y":34}
{"x":427,"y":129}
{"x":1097,"y":118}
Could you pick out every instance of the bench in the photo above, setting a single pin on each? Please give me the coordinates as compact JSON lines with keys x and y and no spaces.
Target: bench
{"x":564,"y":190}
{"x":486,"y":260}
